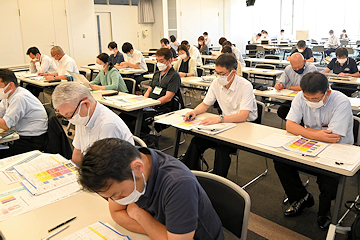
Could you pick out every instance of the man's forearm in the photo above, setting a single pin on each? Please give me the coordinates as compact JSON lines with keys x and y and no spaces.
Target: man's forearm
{"x":123,"y":219}
{"x":153,"y":228}
{"x":3,"y":124}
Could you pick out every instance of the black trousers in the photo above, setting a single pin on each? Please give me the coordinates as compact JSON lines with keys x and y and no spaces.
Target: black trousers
{"x":329,"y":51}
{"x":198,"y":147}
{"x":295,"y":190}
{"x":24,"y":144}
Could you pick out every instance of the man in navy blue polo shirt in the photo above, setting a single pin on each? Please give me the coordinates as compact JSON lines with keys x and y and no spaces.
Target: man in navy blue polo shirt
{"x":149,"y":192}
{"x":343,"y":66}
{"x":305,"y":51}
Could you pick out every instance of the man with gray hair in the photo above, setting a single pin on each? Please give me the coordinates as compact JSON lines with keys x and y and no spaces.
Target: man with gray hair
{"x":93,"y":121}
{"x":64,"y":62}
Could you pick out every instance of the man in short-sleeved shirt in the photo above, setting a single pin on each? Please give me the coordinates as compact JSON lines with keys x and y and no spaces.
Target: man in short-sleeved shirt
{"x":235,"y":96}
{"x":116,"y":57}
{"x":92,"y":120}
{"x":21,"y":110}
{"x":149,"y":192}
{"x":40,"y":63}
{"x":305,"y":51}
{"x":194,"y":53}
{"x":133,"y":58}
{"x":327,"y":117}
{"x":333,"y":43}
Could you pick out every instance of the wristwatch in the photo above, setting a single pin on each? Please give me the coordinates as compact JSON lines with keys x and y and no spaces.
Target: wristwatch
{"x":222,"y":118}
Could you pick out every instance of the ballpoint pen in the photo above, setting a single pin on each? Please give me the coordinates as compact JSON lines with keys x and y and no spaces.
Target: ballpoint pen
{"x":55,"y":233}
{"x":61,"y":224}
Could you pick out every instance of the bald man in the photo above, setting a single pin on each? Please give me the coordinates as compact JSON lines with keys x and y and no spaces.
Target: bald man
{"x":64,"y":62}
{"x":290,"y":79}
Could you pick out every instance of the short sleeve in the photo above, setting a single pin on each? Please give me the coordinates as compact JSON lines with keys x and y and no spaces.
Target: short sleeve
{"x":331,"y":64}
{"x":137,"y":58}
{"x":210,"y":97}
{"x":181,"y":210}
{"x":174,"y":83}
{"x":284,"y":78}
{"x":309,"y":53}
{"x":76,"y":142}
{"x":111,"y":130}
{"x":341,"y":116}
{"x":353,"y":66}
{"x":2,"y":108}
{"x":296,"y":111}
{"x":15,"y":112}
{"x":247,"y":98}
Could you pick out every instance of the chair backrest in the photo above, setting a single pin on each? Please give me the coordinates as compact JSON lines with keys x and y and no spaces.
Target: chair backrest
{"x":251,"y":47}
{"x":139,"y":141}
{"x":318,"y":49}
{"x":260,"y":112}
{"x":151,"y":67}
{"x":356,"y":131}
{"x":344,"y":43}
{"x":230,"y":201}
{"x":248,"y":63}
{"x":200,"y":71}
{"x":260,"y":49}
{"x":358,"y":43}
{"x":272,"y":57}
{"x":265,"y":66}
{"x":350,"y":50}
{"x":153,"y":49}
{"x":130,"y":84}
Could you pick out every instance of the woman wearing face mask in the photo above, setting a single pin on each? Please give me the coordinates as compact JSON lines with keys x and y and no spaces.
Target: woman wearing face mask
{"x":109,"y":77}
{"x":185,"y":66}
{"x":203,"y":48}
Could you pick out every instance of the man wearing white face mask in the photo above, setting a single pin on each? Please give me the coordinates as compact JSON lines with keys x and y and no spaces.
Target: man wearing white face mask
{"x":92,"y":120}
{"x":185,"y":66}
{"x":149,"y":192}
{"x":237,"y":102}
{"x":333,"y":43}
{"x":116,"y":57}
{"x":109,"y":77}
{"x":194,"y":52}
{"x":305,"y":51}
{"x":327,"y":117}
{"x":21,"y":110}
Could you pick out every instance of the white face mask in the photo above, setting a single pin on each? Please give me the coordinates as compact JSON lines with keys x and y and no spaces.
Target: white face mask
{"x":100,"y":67}
{"x":161,"y":66}
{"x":134,"y":196}
{"x":315,"y":105}
{"x":78,"y":120}
{"x":300,"y":50}
{"x":183,"y":56}
{"x":223,"y":80}
{"x":342,"y":60}
{"x":4,"y":95}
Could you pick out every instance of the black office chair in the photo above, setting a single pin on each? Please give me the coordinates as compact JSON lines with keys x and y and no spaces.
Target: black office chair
{"x":130,"y":84}
{"x":231,"y":202}
{"x":151,"y":67}
{"x":200,"y":71}
{"x":319,"y":51}
{"x":251,"y":50}
{"x":272,"y":57}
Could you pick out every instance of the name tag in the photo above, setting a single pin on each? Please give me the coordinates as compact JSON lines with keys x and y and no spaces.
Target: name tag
{"x":157,"y":90}
{"x":347,"y":69}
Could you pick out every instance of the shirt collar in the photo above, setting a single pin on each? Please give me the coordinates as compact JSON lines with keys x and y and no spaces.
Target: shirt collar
{"x":94,"y":116}
{"x":150,"y":185}
{"x":12,"y":95}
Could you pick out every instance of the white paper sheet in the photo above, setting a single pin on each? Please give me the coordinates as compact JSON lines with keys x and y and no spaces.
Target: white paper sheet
{"x":10,"y":177}
{"x":276,"y":139}
{"x":340,"y":156}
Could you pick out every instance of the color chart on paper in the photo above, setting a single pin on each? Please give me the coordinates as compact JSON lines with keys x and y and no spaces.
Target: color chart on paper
{"x":305,"y":146}
{"x":56,"y":173}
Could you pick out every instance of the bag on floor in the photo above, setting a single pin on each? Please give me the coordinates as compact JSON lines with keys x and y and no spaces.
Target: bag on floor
{"x":354,"y":233}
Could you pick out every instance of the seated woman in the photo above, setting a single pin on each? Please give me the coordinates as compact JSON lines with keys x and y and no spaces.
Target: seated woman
{"x":109,"y":77}
{"x":185,"y":66}
{"x":228,"y":49}
{"x":203,"y":48}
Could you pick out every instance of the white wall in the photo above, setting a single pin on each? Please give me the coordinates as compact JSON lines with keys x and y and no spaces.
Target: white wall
{"x":157,"y":31}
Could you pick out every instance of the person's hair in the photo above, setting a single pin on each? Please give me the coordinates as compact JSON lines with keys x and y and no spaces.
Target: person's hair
{"x":331,"y":31}
{"x":341,"y":52}
{"x":282,"y":30}
{"x":222,"y":40}
{"x":344,"y":31}
{"x":227,"y":60}
{"x":227,"y":43}
{"x":164,"y":52}
{"x":106,"y":161}
{"x":112,"y":45}
{"x":259,"y":34}
{"x":104,"y":57}
{"x":58,"y":50}
{"x":33,"y":50}
{"x":184,"y":42}
{"x":314,"y":82}
{"x":205,"y":33}
{"x":172,"y":38}
{"x":226,"y":49}
{"x":201,"y":38}
{"x":185,"y":49}
{"x":265,"y":32}
{"x":262,"y":31}
{"x":7,"y":76}
{"x":70,"y":93}
{"x":126,"y":47}
{"x":301,"y":44}
{"x":165,"y":41}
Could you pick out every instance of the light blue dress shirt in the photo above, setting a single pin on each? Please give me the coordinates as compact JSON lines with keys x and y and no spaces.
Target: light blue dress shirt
{"x":291,"y":78}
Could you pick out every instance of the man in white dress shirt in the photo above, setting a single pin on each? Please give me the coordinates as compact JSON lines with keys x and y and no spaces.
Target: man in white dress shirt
{"x":333,"y":43}
{"x":194,"y":53}
{"x":21,"y":110}
{"x":93,"y":121}
{"x":207,"y":39}
{"x":237,"y":102}
{"x":65,"y":65}
{"x":40,"y":63}
{"x":236,"y":51}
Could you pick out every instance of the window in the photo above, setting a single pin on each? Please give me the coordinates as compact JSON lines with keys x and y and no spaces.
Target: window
{"x":134,"y":2}
{"x":100,"y":2}
{"x":119,"y":2}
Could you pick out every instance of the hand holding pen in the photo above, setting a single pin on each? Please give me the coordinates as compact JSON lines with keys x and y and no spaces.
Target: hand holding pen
{"x":189,"y":116}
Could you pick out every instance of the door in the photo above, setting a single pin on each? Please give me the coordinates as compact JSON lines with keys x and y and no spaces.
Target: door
{"x":104,"y":32}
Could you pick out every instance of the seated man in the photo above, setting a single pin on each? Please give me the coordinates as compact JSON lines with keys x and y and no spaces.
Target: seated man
{"x":194,"y":53}
{"x":333,"y":43}
{"x":116,"y":57}
{"x":305,"y":51}
{"x":165,"y":44}
{"x":40,"y":63}
{"x":237,"y":102}
{"x":291,"y":78}
{"x":343,"y":66}
{"x":165,"y":87}
{"x":65,"y":64}
{"x":227,"y":49}
{"x":236,"y":52}
{"x":207,"y":39}
{"x":21,"y":110}
{"x":93,"y":121}
{"x":149,"y":192}
{"x":134,"y":59}
{"x":327,"y":117}
{"x":256,"y":39}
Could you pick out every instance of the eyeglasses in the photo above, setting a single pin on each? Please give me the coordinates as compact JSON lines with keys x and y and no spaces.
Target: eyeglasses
{"x":222,"y":75}
{"x":76,"y":109}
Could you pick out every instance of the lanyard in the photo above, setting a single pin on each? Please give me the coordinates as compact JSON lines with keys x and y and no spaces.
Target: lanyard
{"x":162,"y":77}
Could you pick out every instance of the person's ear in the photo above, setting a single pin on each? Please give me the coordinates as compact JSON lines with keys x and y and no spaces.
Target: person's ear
{"x":137,"y":166}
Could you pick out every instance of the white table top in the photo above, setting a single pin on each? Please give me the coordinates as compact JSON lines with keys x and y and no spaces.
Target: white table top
{"x":209,"y":57}
{"x":148,"y":52}
{"x":251,"y":70}
{"x":273,"y":61}
{"x":26,"y":65}
{"x":121,"y":70}
{"x":40,"y":83}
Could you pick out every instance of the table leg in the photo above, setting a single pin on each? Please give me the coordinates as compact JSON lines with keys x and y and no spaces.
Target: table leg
{"x":138,"y":122}
{"x":176,"y":142}
{"x":91,"y":75}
